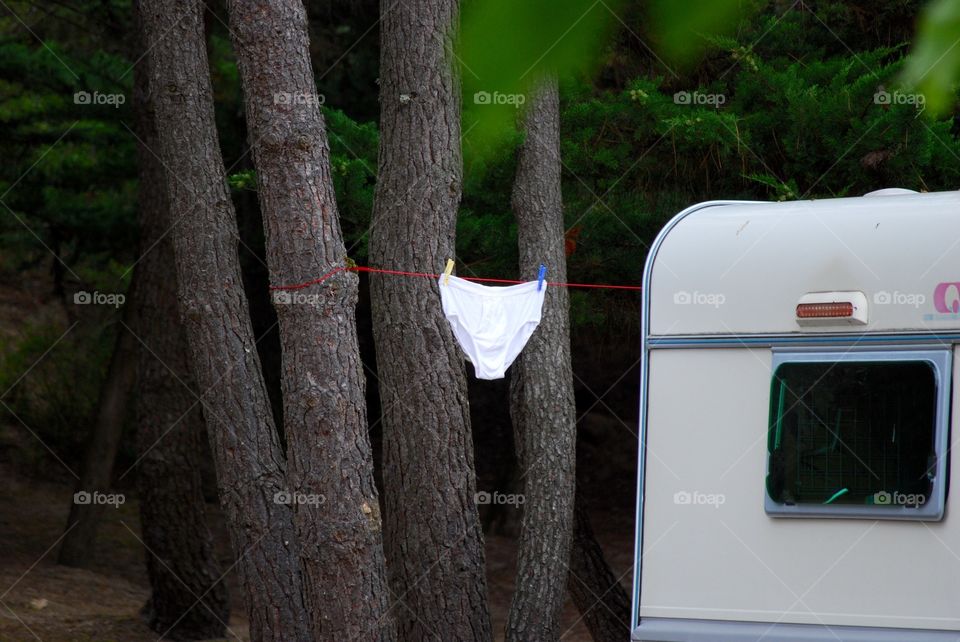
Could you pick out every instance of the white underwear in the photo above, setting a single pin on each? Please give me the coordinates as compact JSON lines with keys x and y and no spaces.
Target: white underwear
{"x":492,"y":324}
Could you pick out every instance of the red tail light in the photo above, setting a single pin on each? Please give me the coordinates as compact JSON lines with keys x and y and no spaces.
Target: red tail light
{"x":824,"y":310}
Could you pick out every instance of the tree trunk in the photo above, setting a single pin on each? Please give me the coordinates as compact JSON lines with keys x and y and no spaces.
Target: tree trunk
{"x":329,"y":463}
{"x":188,"y":600}
{"x":596,"y":592}
{"x":97,"y":472}
{"x":541,"y":400}
{"x":434,"y":542}
{"x":223,"y":351}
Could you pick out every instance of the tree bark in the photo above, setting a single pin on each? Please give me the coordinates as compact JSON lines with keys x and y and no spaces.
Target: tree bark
{"x":434,"y":542}
{"x":188,"y":601}
{"x":249,"y":461}
{"x":329,"y":461}
{"x":596,"y":592}
{"x":96,"y":474}
{"x":541,"y":400}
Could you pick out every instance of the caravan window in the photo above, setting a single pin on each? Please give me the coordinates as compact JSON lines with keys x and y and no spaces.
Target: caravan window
{"x":854,"y":436}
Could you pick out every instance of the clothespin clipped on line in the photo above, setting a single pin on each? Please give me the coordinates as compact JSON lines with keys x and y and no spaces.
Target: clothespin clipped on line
{"x":447,"y":271}
{"x":541,"y":276}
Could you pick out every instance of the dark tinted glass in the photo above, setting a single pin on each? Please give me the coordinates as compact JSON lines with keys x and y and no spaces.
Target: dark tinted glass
{"x":852,"y":433}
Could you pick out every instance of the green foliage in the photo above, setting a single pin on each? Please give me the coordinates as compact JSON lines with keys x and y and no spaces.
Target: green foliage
{"x":934,"y":66}
{"x":228,"y":101}
{"x":684,"y":28}
{"x":68,"y":180}
{"x":780,"y":108}
{"x":767,"y":126}
{"x":245,"y":180}
{"x":353,"y":163}
{"x":486,"y":228}
{"x":750,"y":122}
{"x":506,"y":47}
{"x":353,"y":166}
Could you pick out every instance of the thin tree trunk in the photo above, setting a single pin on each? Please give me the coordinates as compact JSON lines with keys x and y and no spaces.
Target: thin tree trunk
{"x":541,"y":400}
{"x":596,"y":592}
{"x":244,"y":440}
{"x":434,"y":542}
{"x":188,"y":600}
{"x":329,"y":463}
{"x":96,"y":474}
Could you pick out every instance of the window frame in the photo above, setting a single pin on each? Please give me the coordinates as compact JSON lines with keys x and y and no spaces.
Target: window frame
{"x":941,"y":362}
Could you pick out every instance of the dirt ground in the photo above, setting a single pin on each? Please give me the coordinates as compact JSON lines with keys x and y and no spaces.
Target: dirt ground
{"x":43,"y":601}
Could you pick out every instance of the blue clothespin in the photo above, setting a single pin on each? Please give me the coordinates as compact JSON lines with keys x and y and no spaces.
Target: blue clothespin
{"x":541,"y":276}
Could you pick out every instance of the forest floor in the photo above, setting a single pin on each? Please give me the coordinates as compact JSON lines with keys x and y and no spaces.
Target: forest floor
{"x":40,"y":600}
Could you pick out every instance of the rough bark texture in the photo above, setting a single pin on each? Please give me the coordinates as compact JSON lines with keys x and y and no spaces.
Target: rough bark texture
{"x":249,"y":461}
{"x":541,"y":391}
{"x":329,"y":461}
{"x":434,"y":543}
{"x":96,"y":474}
{"x":188,"y":601}
{"x":596,"y":592}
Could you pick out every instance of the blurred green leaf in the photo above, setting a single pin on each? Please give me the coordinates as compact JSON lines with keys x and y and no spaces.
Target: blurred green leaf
{"x":506,"y":47}
{"x":684,"y":29}
{"x":934,"y":65}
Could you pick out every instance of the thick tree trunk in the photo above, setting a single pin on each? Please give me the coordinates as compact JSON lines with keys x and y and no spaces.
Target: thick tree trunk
{"x":596,"y":592}
{"x":223,"y":351}
{"x":96,"y":474}
{"x":188,"y":600}
{"x":434,"y":542}
{"x":329,"y":463}
{"x":541,"y":400}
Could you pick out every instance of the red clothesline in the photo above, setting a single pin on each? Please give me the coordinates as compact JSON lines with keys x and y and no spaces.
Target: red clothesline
{"x":361,"y":268}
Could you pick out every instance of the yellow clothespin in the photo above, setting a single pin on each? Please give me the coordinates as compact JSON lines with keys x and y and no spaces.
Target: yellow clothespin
{"x":447,"y":271}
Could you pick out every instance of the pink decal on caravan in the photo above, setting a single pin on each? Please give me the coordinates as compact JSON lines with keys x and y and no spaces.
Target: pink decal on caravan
{"x":946,"y":298}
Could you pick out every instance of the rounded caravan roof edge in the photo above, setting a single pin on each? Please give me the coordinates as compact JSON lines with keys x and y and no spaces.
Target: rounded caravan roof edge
{"x":672,"y":223}
{"x":644,"y":386}
{"x":744,"y":268}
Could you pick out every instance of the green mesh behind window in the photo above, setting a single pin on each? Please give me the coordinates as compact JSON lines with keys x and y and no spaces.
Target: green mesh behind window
{"x":852,"y":433}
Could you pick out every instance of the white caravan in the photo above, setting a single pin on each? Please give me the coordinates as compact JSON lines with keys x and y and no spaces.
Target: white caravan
{"x":795,"y":423}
